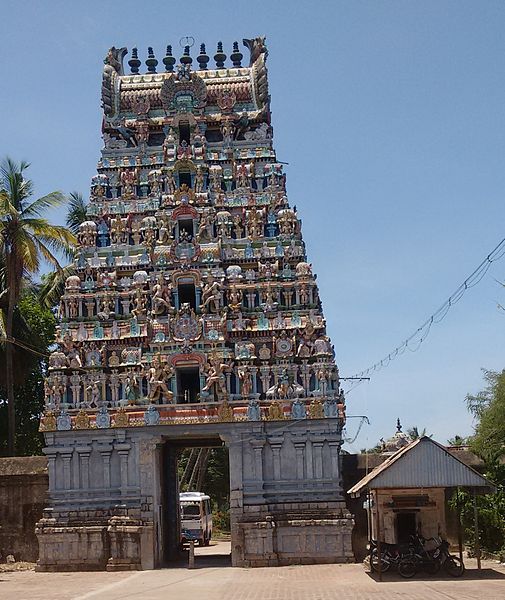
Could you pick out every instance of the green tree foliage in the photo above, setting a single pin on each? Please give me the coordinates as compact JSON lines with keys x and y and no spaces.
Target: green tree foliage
{"x":488,"y":442}
{"x":35,"y":327}
{"x":53,"y":283}
{"x":457,"y":440}
{"x":216,"y":484}
{"x":76,"y":212}
{"x":488,"y":408}
{"x":26,"y":240}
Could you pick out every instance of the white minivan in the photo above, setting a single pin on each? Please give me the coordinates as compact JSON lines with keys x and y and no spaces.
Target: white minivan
{"x":196,"y":517}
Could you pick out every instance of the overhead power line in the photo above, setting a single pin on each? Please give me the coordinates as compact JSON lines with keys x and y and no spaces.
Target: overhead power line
{"x":414,"y":341}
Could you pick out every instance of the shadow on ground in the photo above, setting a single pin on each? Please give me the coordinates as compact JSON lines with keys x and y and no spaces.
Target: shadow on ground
{"x":470,"y":574}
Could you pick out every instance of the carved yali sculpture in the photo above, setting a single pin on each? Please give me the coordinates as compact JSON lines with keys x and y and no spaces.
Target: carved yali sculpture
{"x":113,"y":68}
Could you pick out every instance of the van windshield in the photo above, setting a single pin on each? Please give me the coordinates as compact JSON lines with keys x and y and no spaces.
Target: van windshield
{"x":191,"y":510}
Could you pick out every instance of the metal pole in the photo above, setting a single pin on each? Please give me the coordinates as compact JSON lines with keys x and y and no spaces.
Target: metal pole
{"x":378,"y":529}
{"x":460,"y":534}
{"x":476,"y":529}
{"x":191,"y":563}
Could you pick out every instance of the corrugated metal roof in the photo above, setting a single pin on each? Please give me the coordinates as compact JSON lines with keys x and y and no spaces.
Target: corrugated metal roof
{"x":423,"y":463}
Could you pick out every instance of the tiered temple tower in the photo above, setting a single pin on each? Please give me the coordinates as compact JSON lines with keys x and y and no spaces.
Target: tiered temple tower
{"x":192,"y":301}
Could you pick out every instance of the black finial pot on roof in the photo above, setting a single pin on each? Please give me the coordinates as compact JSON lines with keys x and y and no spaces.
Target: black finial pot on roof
{"x":236,"y":56}
{"x":134,"y":61}
{"x":186,"y":58}
{"x":203,"y":58}
{"x":151,"y":61}
{"x":169,"y":60}
{"x":220,"y":56}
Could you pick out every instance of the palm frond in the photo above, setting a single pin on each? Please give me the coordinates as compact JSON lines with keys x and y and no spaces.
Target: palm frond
{"x":51,"y":200}
{"x":13,"y":182}
{"x":53,"y":285}
{"x":47,"y":253}
{"x":76,"y":214}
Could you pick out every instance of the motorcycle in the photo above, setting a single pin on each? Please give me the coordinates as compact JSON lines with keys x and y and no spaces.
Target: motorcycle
{"x":391,"y":555}
{"x":428,"y":559}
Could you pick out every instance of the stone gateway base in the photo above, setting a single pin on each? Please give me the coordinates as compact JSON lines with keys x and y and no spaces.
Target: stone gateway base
{"x":302,"y":533}
{"x":114,"y":495}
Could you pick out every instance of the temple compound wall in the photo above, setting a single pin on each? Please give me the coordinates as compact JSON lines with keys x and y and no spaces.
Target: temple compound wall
{"x":111,"y":493}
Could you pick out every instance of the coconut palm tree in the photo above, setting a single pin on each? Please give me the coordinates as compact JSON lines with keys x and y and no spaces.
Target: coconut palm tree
{"x":26,"y":240}
{"x":76,"y":212}
{"x":53,"y":284}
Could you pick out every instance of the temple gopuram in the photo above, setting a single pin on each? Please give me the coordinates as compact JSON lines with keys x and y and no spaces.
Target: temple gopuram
{"x":192,"y":318}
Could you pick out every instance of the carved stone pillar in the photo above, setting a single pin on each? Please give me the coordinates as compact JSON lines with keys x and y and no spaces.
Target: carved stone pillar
{"x":257,"y":446}
{"x":67,"y":473}
{"x":123,"y":451}
{"x":300,"y":458}
{"x":105,"y":451}
{"x":83,"y":453}
{"x":275,"y":445}
{"x":317,"y":452}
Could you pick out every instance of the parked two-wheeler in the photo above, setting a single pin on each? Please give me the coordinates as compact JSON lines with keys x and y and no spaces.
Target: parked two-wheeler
{"x":391,"y":555}
{"x":421,"y":559}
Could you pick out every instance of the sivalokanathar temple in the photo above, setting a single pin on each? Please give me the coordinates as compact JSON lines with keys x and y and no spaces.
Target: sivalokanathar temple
{"x":191,"y":318}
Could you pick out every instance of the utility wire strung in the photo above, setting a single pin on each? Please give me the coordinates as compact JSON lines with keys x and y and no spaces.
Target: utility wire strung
{"x":414,"y":341}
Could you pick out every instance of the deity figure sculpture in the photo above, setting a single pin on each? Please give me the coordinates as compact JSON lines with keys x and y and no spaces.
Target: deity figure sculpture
{"x":244,"y":376}
{"x":130,"y":388}
{"x":114,"y":387}
{"x":184,"y":151}
{"x":287,"y":221}
{"x":159,"y":373}
{"x":93,"y":394}
{"x":106,"y":304}
{"x":163,"y":233}
{"x":322,"y":345}
{"x":227,"y":130}
{"x":199,"y":180}
{"x":235,"y":298}
{"x":139,"y":304}
{"x":211,"y":296}
{"x":73,"y":307}
{"x":74,"y":358}
{"x":238,"y":226}
{"x":155,"y":178}
{"x":215,"y":174}
{"x":170,"y":181}
{"x":253,"y":410}
{"x":304,"y":349}
{"x":242,"y":175}
{"x":215,"y":376}
{"x":129,"y":181}
{"x":161,"y":298}
{"x":206,"y":228}
{"x":255,"y":222}
{"x":114,"y":360}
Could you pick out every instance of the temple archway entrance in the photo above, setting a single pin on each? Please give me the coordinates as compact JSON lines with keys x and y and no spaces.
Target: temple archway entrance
{"x":193,"y":467}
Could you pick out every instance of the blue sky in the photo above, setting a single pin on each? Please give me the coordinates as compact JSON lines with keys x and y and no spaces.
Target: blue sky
{"x":391,"y":117}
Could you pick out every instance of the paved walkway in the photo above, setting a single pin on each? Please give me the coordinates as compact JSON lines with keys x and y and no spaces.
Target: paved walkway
{"x":213,"y":580}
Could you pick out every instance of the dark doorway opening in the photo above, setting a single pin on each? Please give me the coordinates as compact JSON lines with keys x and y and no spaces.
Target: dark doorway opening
{"x":185,"y":177}
{"x":187,"y":294}
{"x":188,"y":385}
{"x":405,"y":526}
{"x":194,"y":466}
{"x":184,"y":132}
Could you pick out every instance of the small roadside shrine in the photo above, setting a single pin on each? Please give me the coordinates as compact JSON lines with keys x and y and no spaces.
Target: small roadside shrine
{"x":406,"y":493}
